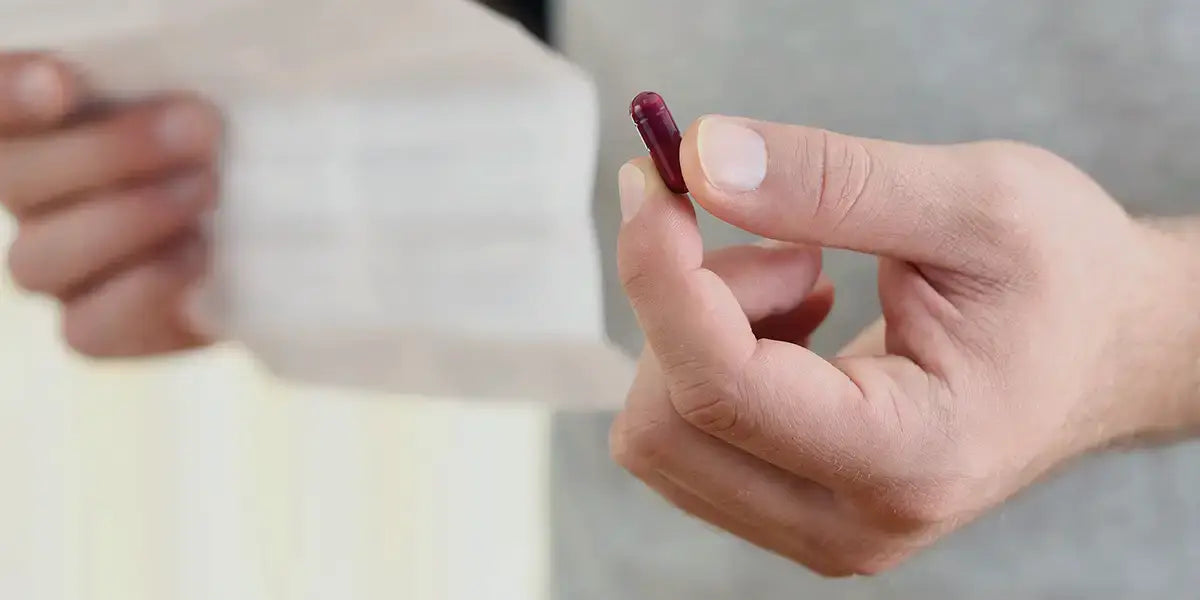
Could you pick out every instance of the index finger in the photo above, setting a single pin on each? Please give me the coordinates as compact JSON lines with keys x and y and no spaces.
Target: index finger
{"x":777,"y":401}
{"x":692,"y":321}
{"x":36,"y":92}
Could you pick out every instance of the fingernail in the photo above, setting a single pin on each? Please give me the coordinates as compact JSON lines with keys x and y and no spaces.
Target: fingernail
{"x":732,"y":156}
{"x":187,"y":189}
{"x":631,"y":183}
{"x":184,"y":128}
{"x":38,"y":88}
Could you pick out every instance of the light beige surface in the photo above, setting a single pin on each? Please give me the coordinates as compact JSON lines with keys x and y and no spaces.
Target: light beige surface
{"x":200,"y":477}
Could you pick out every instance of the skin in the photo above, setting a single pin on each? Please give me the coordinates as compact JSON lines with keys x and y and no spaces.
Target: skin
{"x":110,"y":202}
{"x":1027,"y":320}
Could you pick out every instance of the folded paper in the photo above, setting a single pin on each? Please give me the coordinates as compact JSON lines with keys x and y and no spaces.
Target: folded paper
{"x":406,"y":193}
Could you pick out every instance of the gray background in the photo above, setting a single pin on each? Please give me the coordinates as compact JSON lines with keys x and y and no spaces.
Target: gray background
{"x":1113,"y":85}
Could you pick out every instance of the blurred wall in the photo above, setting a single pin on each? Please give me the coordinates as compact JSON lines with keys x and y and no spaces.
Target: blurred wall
{"x":1110,"y":84}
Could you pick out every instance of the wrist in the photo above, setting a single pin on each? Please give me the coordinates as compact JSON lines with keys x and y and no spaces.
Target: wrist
{"x":1159,"y":346}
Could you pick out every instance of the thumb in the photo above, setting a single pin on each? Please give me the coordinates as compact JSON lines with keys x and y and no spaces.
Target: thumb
{"x":933,"y":205}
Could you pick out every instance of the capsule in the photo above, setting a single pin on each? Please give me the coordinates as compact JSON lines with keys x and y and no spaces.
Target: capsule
{"x":661,"y":136}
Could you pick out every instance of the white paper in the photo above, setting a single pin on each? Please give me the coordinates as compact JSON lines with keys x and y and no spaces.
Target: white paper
{"x":407,"y":194}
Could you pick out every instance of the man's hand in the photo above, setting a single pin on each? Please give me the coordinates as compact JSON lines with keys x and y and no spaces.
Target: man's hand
{"x":1026,"y":319}
{"x":109,"y":200}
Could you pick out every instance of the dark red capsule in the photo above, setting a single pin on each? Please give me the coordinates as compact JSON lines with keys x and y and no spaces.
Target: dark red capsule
{"x":661,"y":135}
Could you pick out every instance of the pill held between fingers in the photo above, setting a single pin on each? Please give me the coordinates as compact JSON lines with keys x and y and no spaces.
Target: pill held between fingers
{"x":661,"y":135}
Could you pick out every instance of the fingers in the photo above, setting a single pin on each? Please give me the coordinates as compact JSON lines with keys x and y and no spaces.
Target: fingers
{"x":36,"y":92}
{"x":767,"y":280}
{"x":705,"y":345}
{"x":779,"y":287}
{"x":717,"y":482}
{"x":105,"y":196}
{"x":806,"y":415}
{"x":796,"y":548}
{"x":917,"y":203}
{"x":797,"y":325}
{"x":691,"y":319}
{"x":133,"y":143}
{"x":58,"y":252}
{"x":143,"y":310}
{"x":808,"y":550}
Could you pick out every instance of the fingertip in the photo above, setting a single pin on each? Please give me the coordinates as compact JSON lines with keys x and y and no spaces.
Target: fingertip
{"x":640,"y":185}
{"x":631,"y":185}
{"x":189,"y":125}
{"x":37,"y":87}
{"x":824,"y":285}
{"x":656,"y":224}
{"x":653,"y":181}
{"x":724,"y":204}
{"x":819,"y":304}
{"x":39,"y":90}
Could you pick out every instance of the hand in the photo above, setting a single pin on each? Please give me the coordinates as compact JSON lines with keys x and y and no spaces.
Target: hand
{"x":109,"y":202}
{"x":1027,"y":319}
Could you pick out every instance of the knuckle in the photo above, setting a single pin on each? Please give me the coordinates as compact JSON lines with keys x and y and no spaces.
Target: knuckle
{"x":866,"y":556}
{"x":127,"y":141}
{"x":705,"y":399}
{"x":638,"y":446}
{"x":849,"y":553}
{"x":1006,"y":169}
{"x":877,"y":563}
{"x":825,"y":559}
{"x":635,"y":280}
{"x":1009,"y":157}
{"x":869,"y":555}
{"x":635,"y":263}
{"x":1004,"y":211}
{"x":831,"y":570}
{"x":619,"y":447}
{"x":933,"y":484}
{"x":633,"y":269}
{"x":845,"y":167}
{"x":920,"y":509}
{"x":710,"y":412}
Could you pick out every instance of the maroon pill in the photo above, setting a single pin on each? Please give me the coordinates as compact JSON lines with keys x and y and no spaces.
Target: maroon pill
{"x":661,"y":135}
